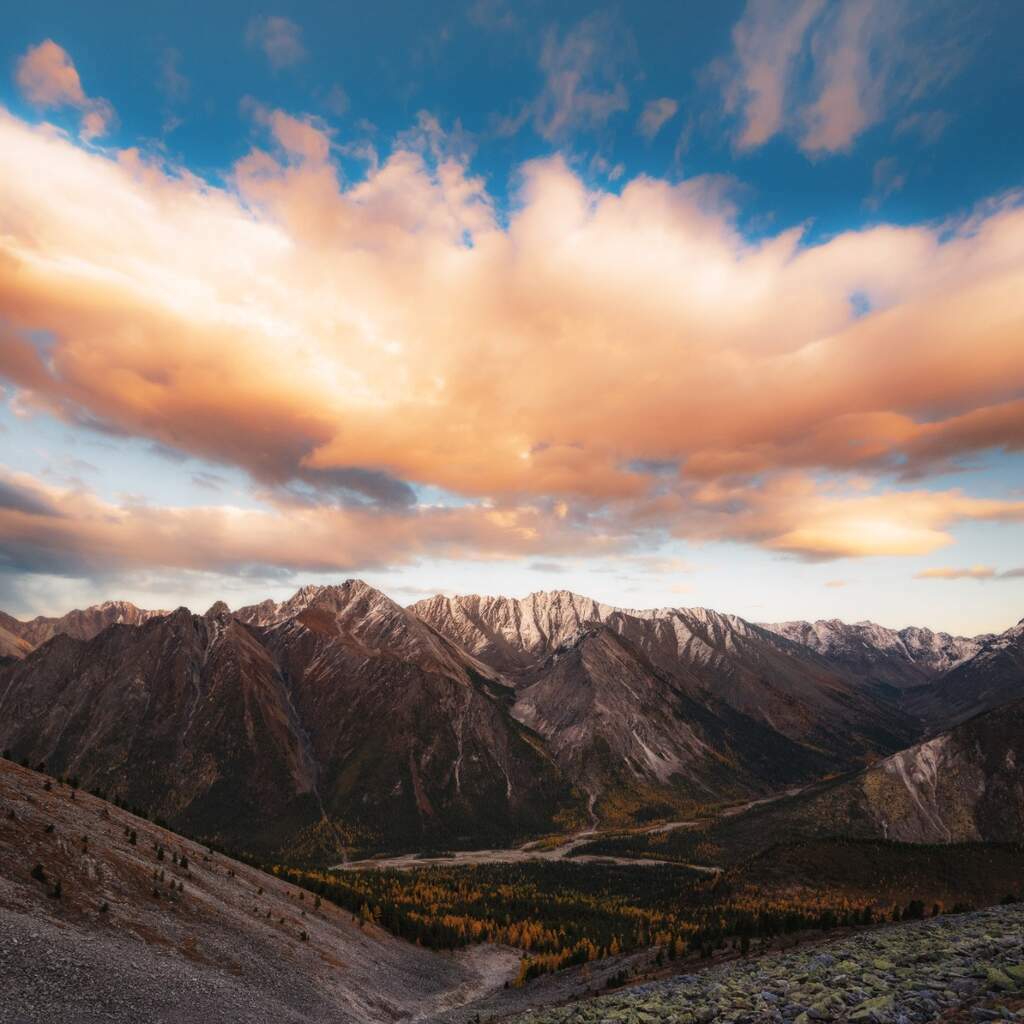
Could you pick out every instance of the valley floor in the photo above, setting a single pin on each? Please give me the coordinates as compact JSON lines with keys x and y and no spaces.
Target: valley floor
{"x":532,"y":851}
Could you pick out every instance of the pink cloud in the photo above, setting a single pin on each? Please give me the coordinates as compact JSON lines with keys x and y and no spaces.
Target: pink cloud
{"x":48,"y":78}
{"x":305,"y":329}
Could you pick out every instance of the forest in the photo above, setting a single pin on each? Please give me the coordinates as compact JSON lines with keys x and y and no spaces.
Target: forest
{"x":562,"y":913}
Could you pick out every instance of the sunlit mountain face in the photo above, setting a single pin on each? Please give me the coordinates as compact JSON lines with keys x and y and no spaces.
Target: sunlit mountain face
{"x":668,"y":306}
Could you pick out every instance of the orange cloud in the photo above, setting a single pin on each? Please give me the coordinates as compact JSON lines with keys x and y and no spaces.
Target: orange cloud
{"x":627,"y":358}
{"x":975,"y":572}
{"x":48,"y":78}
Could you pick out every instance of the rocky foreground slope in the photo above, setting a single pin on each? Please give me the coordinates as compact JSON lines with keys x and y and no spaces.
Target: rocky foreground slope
{"x":107,"y":917}
{"x":960,"y":967}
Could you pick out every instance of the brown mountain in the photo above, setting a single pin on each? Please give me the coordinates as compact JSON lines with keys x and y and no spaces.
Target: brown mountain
{"x":350,"y":721}
{"x":17,"y":638}
{"x":677,"y":701}
{"x":993,"y":676}
{"x":338,"y":718}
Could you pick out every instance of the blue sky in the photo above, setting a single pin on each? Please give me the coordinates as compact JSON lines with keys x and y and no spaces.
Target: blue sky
{"x":835,"y":171}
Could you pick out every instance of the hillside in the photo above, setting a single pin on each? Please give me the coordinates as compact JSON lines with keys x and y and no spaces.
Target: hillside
{"x":152,"y":926}
{"x":964,"y":785}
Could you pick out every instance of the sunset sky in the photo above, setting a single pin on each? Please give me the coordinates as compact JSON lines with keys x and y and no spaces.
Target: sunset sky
{"x":668,"y":304}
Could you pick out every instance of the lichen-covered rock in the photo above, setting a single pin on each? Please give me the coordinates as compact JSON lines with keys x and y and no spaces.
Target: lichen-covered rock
{"x":907,"y":974}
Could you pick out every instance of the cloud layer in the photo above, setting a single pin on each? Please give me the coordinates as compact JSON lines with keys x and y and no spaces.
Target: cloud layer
{"x":595,"y":368}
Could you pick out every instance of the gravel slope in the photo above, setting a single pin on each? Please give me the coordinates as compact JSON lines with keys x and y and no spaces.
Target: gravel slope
{"x":233,"y":945}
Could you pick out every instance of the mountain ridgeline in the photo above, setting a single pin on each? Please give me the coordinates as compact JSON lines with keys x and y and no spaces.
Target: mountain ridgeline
{"x":339,"y":720}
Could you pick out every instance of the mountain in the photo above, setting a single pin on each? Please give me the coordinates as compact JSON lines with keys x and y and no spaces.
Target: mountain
{"x":893,"y":660}
{"x":965,"y":784}
{"x":158,"y":928}
{"x":350,"y":722}
{"x":18,"y":638}
{"x":707,"y":704}
{"x":992,"y":677}
{"x":338,"y":719}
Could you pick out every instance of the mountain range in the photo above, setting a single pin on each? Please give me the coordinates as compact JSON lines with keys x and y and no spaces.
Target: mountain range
{"x":339,"y":719}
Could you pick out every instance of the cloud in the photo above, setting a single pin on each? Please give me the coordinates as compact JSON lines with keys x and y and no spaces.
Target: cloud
{"x":825,"y":73}
{"x":348,"y":344}
{"x":493,"y":15}
{"x":792,"y":514}
{"x":927,"y":125}
{"x":48,"y":78}
{"x":656,"y":114}
{"x":767,"y":40}
{"x":974,"y":572}
{"x":279,"y":38}
{"x":887,"y":177}
{"x":70,"y":532}
{"x":581,"y":87}
{"x":173,"y":84}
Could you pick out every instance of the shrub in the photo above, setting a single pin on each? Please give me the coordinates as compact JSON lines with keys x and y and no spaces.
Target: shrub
{"x":57,"y":890}
{"x":39,"y":873}
{"x":104,"y":907}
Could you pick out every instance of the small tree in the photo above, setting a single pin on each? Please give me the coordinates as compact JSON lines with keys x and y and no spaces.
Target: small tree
{"x":39,"y":873}
{"x":58,"y":890}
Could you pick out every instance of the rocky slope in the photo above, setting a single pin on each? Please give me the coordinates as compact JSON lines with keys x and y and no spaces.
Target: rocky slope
{"x":962,"y":785}
{"x":184,"y":935}
{"x":969,"y":964}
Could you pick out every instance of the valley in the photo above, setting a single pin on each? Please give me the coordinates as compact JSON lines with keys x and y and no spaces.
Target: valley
{"x":494,"y":804}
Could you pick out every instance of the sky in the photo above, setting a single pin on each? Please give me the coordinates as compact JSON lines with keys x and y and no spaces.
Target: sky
{"x":663,"y":303}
